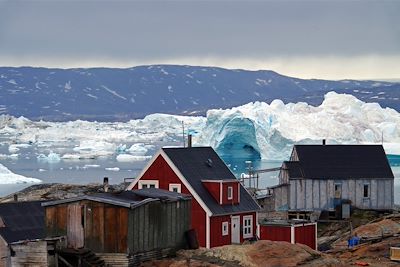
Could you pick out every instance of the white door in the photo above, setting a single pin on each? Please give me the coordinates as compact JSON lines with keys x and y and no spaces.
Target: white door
{"x":235,"y":229}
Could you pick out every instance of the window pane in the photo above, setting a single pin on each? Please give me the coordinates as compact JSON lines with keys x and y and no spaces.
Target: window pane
{"x":366,"y":189}
{"x":152,"y":186}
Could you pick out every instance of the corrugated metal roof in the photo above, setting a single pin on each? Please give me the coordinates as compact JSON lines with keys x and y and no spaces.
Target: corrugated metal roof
{"x":203,"y":163}
{"x":340,"y":162}
{"x":23,"y":221}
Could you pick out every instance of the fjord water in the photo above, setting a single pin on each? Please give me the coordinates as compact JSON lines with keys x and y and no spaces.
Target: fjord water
{"x":93,"y":170}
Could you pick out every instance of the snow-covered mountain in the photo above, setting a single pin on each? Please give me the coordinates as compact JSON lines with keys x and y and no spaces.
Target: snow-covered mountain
{"x":121,"y":94}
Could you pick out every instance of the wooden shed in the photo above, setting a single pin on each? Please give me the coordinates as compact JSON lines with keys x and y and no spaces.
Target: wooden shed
{"x":292,"y":231}
{"x":133,"y":225}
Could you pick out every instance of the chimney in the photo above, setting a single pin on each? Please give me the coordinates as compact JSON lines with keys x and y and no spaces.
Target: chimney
{"x":15,"y":198}
{"x":189,"y":140}
{"x":105,"y":184}
{"x":323,"y":142}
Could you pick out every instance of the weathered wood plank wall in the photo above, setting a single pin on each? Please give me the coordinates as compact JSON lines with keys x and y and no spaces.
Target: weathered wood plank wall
{"x":165,"y":226}
{"x":4,"y":253}
{"x":308,"y":194}
{"x":30,"y":254}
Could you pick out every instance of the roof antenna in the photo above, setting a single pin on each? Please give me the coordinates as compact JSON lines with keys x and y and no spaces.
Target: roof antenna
{"x":183,"y":134}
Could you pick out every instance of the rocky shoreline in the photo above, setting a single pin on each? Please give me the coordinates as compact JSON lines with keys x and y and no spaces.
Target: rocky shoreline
{"x":52,"y":191}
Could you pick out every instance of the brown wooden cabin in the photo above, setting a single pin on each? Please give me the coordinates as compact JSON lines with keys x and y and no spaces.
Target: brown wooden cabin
{"x":137,"y":224}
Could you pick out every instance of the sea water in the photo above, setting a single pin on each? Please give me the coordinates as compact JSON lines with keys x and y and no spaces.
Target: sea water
{"x":93,"y":170}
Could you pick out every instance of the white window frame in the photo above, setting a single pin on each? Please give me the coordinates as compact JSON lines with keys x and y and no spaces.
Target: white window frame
{"x":147,"y":182}
{"x":225,"y":228}
{"x":247,"y":229}
{"x":177,"y":186}
{"x":230,"y":192}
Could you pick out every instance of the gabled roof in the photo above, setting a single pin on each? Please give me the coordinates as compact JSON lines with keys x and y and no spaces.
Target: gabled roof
{"x":22,"y":220}
{"x":339,"y":162}
{"x":127,"y":199}
{"x":203,"y":163}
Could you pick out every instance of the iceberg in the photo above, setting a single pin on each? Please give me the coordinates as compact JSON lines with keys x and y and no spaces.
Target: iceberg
{"x":254,"y":130}
{"x":8,"y":177}
{"x":268,"y":131}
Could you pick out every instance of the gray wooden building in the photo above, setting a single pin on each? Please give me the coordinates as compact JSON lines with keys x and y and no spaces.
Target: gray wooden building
{"x":320,"y":177}
{"x":120,"y":229}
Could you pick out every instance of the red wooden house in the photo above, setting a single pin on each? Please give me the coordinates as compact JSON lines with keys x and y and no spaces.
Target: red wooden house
{"x":223,"y":212}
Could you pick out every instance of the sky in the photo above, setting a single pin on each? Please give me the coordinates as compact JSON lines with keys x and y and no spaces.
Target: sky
{"x":305,"y":39}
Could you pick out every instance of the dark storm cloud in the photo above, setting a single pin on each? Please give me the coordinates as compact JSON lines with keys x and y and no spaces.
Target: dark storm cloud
{"x":155,"y":30}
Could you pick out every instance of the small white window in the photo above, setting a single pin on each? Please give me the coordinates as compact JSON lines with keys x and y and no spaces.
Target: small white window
{"x":247,"y":226}
{"x":175,"y":188}
{"x":148,"y":184}
{"x":230,"y":192}
{"x":225,"y":228}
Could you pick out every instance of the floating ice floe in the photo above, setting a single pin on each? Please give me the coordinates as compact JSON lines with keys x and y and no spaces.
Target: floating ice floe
{"x":8,"y":177}
{"x":87,"y":166}
{"x":11,"y":156}
{"x":50,"y":158}
{"x":13,"y":148}
{"x":139,"y":149}
{"x":115,"y":169}
{"x":131,"y":158}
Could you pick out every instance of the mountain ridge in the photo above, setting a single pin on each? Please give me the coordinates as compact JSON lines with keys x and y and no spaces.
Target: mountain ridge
{"x":125,"y":93}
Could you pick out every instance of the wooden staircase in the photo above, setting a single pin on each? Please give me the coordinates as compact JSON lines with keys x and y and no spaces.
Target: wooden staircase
{"x":79,"y":257}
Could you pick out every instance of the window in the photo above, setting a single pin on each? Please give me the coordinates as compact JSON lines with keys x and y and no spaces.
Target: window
{"x":230,"y":192}
{"x":247,"y":226}
{"x":366,"y":190}
{"x":225,"y":228}
{"x":175,"y":188}
{"x":338,"y":190}
{"x":148,"y":184}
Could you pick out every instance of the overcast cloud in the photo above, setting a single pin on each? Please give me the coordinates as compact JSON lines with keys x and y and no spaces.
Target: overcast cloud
{"x":323,"y":39}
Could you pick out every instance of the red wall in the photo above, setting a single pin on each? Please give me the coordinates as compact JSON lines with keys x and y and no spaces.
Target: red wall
{"x":162,"y":172}
{"x":216,"y":229}
{"x":213,"y":188}
{"x":302,"y":234}
{"x":275,"y":233}
{"x":305,"y":235}
{"x":235,"y":199}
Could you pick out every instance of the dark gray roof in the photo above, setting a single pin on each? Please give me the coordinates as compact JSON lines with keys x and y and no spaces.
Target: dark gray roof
{"x":339,"y":162}
{"x":23,"y":221}
{"x":129,"y":199}
{"x":161,"y":194}
{"x":203,"y":163}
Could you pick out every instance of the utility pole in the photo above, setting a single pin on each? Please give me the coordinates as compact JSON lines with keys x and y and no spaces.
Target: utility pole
{"x":183,"y":134}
